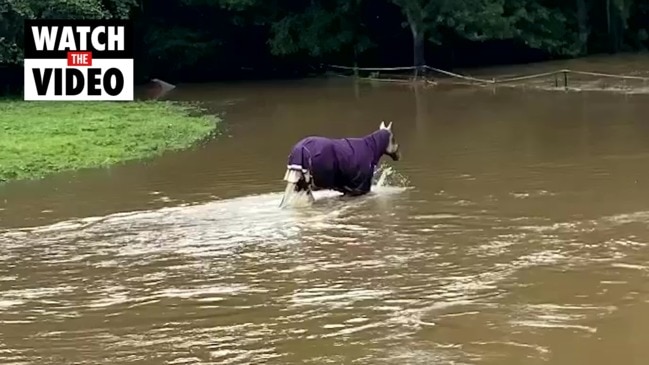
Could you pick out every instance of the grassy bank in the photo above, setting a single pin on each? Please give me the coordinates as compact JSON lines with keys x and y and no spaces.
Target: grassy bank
{"x":39,"y":138}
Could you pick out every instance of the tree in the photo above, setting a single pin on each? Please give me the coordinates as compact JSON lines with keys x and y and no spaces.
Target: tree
{"x":421,"y":16}
{"x":319,"y":29}
{"x":582,"y":21}
{"x":528,"y":22}
{"x":14,"y":12}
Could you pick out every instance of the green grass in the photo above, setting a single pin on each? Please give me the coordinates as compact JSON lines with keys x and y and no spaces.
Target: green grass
{"x":40,"y":138}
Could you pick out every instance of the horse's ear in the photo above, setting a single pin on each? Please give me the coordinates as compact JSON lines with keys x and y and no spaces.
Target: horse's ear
{"x":389,"y":126}
{"x":382,"y":126}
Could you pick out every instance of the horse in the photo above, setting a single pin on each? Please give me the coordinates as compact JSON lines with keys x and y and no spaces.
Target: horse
{"x":345,"y":165}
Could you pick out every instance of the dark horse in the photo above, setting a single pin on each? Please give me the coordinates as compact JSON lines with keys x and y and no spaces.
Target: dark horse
{"x":346,"y":165}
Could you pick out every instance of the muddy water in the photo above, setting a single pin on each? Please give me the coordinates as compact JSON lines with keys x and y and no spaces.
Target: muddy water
{"x":521,"y":238}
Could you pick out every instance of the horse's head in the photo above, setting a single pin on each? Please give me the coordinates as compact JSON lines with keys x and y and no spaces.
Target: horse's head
{"x":392,"y":149}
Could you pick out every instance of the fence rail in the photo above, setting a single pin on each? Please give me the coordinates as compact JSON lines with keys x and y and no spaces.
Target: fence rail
{"x":495,"y":81}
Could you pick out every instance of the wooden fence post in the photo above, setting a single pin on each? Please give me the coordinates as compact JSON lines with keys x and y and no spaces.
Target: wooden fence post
{"x":565,"y":80}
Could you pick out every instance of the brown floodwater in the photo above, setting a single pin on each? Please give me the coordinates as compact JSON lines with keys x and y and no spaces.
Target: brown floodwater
{"x":520,"y":238}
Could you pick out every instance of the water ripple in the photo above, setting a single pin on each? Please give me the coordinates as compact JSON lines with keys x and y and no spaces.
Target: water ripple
{"x":242,"y":282}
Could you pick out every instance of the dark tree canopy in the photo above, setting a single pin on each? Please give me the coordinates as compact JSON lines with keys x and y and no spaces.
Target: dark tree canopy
{"x":202,"y":40}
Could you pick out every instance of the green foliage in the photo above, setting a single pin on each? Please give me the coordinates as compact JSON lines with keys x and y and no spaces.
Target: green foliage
{"x":39,"y":138}
{"x":120,"y":9}
{"x":422,"y":16}
{"x":542,"y":27}
{"x":181,"y":35}
{"x":14,"y":12}
{"x":526,"y":21}
{"x":490,"y":21}
{"x":321,"y":28}
{"x":177,"y":46}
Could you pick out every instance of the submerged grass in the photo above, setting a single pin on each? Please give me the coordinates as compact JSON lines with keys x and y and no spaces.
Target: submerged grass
{"x":40,"y":138}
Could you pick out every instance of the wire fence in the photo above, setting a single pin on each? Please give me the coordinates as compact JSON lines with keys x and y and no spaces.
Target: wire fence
{"x":563,"y":79}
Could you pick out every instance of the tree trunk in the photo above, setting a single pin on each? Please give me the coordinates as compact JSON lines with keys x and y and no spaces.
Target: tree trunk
{"x":608,"y":16}
{"x":615,"y":27}
{"x":355,"y":63}
{"x":418,"y":50}
{"x":609,"y":25}
{"x":582,"y":18}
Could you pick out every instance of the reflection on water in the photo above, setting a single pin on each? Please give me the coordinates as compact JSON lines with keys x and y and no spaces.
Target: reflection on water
{"x":521,"y":239}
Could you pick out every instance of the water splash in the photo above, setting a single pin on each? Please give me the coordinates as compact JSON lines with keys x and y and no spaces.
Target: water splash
{"x":383,"y":176}
{"x":296,"y":199}
{"x":386,"y":175}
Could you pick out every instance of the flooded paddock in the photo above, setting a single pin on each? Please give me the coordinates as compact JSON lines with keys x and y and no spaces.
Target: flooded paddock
{"x":520,"y":238}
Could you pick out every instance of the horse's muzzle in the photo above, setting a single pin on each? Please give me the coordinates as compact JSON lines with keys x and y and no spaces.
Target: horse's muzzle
{"x":396,"y":156}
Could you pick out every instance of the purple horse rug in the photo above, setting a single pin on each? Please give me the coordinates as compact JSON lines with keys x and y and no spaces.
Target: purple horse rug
{"x":345,"y":165}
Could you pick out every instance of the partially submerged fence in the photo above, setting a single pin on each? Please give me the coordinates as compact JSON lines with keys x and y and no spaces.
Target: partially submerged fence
{"x":565,"y":79}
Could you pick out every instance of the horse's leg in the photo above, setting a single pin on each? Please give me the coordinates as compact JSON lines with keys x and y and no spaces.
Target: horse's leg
{"x":349,"y":192}
{"x":292,"y":178}
{"x":289,"y":191}
{"x":307,"y":185}
{"x":297,"y":182}
{"x":309,"y":194}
